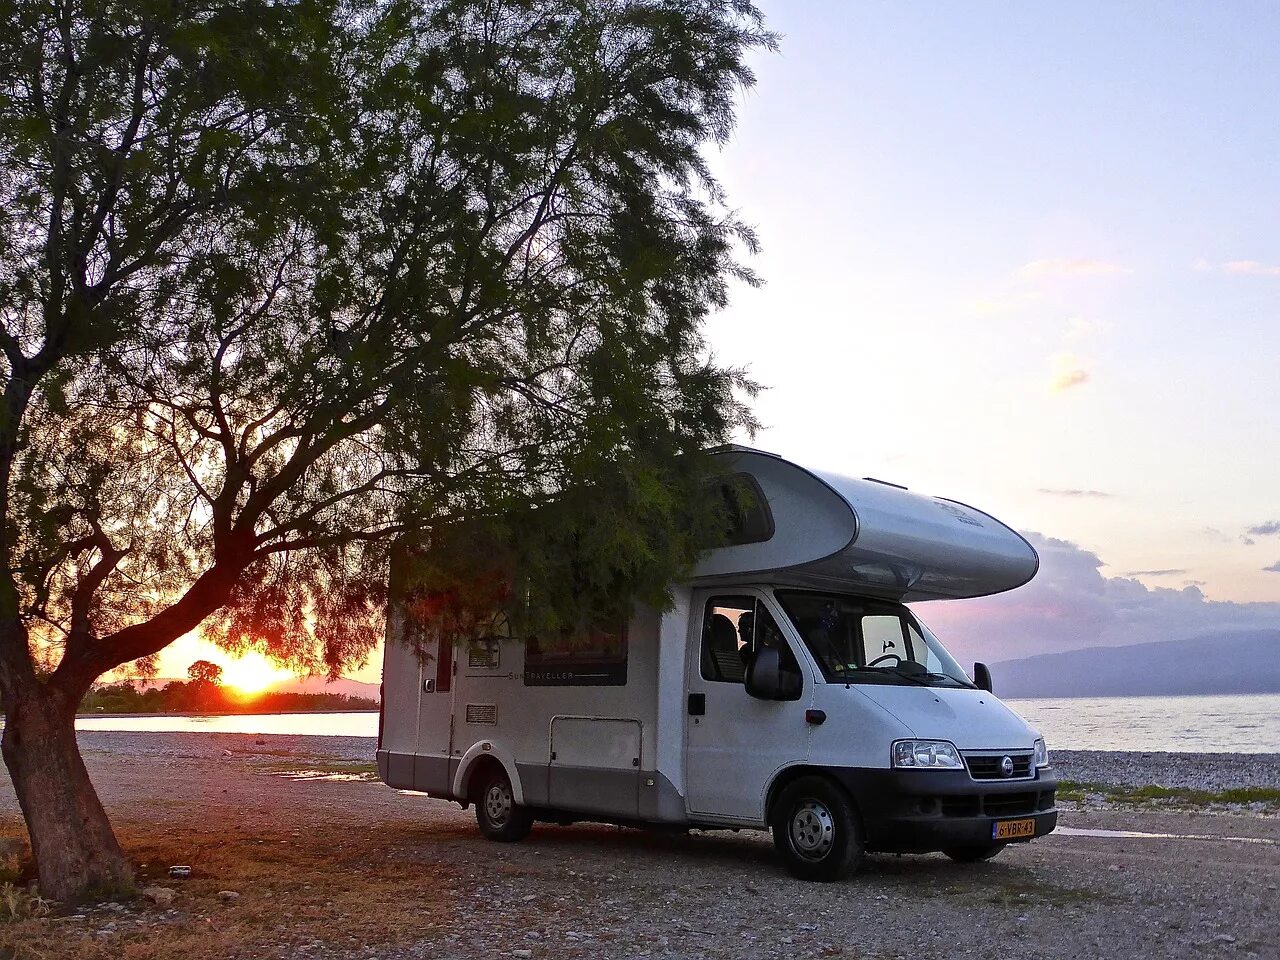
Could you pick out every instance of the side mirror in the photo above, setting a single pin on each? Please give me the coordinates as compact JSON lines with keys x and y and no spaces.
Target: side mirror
{"x":767,"y":680}
{"x":982,"y":677}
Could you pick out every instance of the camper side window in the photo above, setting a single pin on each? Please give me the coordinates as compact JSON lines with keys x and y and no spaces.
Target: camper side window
{"x":749,"y":518}
{"x":732,"y":628}
{"x":598,"y":660}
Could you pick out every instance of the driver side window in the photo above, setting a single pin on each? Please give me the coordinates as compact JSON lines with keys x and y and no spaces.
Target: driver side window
{"x":733,"y":628}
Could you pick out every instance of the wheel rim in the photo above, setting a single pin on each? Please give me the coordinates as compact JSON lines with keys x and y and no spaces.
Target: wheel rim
{"x":498,"y":803}
{"x":812,"y":830}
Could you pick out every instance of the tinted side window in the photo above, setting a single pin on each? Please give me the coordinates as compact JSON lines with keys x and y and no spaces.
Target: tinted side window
{"x":598,"y":660}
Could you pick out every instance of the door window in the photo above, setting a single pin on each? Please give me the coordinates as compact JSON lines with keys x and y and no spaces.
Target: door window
{"x":733,"y":628}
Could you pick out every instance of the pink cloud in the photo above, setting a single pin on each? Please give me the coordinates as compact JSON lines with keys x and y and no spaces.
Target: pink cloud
{"x":1071,"y":604}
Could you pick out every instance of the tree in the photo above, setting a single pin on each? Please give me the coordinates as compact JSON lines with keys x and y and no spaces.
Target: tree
{"x":283,"y":281}
{"x":205,"y":672}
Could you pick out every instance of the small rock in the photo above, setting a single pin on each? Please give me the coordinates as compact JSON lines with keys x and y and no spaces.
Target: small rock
{"x":228,"y":896}
{"x":180,"y":871}
{"x":1114,"y":867}
{"x":1223,"y":938}
{"x":161,"y":896}
{"x":522,"y":953}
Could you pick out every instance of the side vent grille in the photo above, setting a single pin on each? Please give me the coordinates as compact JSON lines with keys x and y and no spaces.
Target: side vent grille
{"x":483,"y":656}
{"x":482,"y":713}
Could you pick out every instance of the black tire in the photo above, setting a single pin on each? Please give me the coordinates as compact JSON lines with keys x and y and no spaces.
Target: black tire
{"x":974,"y":854}
{"x":816,"y":829}
{"x":498,"y":815}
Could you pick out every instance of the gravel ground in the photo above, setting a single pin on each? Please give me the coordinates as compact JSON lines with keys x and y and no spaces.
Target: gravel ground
{"x":1194,"y":888}
{"x":1200,"y":771}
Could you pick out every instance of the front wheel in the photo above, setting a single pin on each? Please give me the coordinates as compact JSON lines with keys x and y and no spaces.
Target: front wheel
{"x":816,"y":829}
{"x":498,"y":815}
{"x":974,"y":854}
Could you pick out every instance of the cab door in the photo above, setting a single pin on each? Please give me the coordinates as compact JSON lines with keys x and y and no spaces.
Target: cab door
{"x":734,"y":743}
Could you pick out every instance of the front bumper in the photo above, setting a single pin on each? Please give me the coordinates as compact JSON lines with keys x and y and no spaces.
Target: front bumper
{"x":921,"y":811}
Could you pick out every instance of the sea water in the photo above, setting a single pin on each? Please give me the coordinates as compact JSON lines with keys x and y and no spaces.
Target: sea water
{"x":1194,"y":724}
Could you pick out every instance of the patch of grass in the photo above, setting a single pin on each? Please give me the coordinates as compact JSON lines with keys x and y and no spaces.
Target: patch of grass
{"x":1154,"y":795}
{"x":19,"y":903}
{"x":331,"y":766}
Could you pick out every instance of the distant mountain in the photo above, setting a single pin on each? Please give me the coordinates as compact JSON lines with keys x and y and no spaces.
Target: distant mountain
{"x":1238,"y":662}
{"x":350,"y":688}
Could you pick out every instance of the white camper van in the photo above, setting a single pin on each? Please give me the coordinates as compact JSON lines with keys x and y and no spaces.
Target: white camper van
{"x":787,"y":688}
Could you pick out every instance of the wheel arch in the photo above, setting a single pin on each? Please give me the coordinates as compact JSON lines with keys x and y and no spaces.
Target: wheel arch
{"x":789,"y":775}
{"x":484,"y":756}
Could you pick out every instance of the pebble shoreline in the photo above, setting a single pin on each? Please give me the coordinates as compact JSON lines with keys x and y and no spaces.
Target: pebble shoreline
{"x":1198,"y":771}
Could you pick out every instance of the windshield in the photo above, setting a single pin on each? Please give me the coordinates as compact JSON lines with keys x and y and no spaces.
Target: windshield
{"x":857,"y":640}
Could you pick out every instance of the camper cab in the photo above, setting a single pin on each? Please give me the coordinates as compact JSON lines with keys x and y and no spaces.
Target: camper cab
{"x":787,"y":688}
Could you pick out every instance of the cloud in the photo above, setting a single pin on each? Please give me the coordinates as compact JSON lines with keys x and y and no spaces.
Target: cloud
{"x":1068,"y":372}
{"x":1060,"y":267}
{"x":1070,"y":604}
{"x":1154,"y":573}
{"x":1247,"y":541}
{"x":1093,"y":494}
{"x":1080,"y":328}
{"x":1193,"y":583}
{"x":1268,"y":529}
{"x":1240,"y":268}
{"x":1274,"y":568}
{"x":1252,"y":268}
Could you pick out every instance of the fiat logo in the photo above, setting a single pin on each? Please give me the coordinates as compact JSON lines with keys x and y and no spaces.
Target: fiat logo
{"x":1006,"y":766}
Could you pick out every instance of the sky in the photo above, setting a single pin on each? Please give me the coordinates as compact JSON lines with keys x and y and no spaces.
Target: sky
{"x":1027,"y":257}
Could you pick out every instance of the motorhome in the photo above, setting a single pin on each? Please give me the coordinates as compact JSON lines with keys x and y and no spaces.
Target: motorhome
{"x":788,"y":687}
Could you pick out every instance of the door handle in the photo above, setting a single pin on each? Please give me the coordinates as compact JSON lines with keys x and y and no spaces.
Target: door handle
{"x":697,"y":704}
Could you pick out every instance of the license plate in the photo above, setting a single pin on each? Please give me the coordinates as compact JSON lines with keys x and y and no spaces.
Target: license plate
{"x":1013,"y":829}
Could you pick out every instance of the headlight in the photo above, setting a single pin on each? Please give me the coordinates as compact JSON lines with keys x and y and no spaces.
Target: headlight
{"x":1042,"y":754}
{"x":926,"y":755}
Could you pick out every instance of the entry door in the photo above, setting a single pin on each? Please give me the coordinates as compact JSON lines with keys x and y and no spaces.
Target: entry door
{"x":734,"y":742}
{"x":431,"y":766}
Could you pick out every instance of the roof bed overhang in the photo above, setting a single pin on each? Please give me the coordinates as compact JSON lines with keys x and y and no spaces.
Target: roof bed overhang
{"x":829,"y":532}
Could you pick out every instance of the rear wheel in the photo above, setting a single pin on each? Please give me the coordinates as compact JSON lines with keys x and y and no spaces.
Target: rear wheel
{"x":498,"y":815}
{"x":816,"y":829}
{"x":973,"y":854}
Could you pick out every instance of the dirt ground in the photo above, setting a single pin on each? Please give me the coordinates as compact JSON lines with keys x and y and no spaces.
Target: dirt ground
{"x":330,"y":865}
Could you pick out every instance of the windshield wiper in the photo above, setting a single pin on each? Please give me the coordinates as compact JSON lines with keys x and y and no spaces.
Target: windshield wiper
{"x":913,"y":676}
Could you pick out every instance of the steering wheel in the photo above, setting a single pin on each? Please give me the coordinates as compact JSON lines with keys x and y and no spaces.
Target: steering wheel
{"x":887,"y":656}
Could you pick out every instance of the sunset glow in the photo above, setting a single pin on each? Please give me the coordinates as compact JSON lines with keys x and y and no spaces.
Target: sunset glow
{"x":251,"y":673}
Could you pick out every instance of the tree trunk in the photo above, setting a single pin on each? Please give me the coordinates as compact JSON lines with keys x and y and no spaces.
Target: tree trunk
{"x":76,"y":853}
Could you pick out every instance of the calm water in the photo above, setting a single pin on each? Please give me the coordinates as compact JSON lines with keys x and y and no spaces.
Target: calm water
{"x":1220,"y":724}
{"x":1228,"y":724}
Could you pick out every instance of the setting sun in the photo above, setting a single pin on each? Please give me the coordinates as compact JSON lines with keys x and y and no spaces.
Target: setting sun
{"x":251,"y":673}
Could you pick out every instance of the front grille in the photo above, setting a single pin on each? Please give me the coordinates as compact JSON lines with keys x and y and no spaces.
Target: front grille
{"x":1010,"y":804}
{"x":987,"y":805}
{"x":986,"y":766}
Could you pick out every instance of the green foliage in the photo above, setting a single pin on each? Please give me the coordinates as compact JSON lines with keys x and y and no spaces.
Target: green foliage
{"x":284,"y":282}
{"x":203,"y":671}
